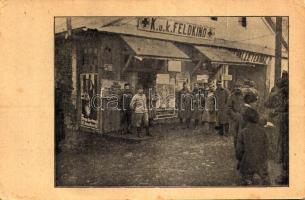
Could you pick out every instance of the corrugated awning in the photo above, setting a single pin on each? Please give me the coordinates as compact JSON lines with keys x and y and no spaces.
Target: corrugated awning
{"x":219,"y":55}
{"x":145,"y":47}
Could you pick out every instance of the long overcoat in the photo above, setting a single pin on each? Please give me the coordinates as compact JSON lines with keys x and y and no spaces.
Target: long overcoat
{"x":222,"y":97}
{"x":251,"y":149}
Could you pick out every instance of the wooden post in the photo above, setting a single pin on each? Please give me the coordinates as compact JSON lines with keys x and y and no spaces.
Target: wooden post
{"x":127,"y":64}
{"x":278,"y":49}
{"x":197,"y":67}
{"x":74,"y":73}
{"x":69,"y":27}
{"x":225,"y":72}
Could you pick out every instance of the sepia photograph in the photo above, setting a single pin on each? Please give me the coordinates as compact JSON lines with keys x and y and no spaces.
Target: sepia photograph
{"x":171,"y":101}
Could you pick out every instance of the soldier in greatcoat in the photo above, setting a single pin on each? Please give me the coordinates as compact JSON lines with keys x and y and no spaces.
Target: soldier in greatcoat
{"x":126,"y":110}
{"x":278,"y":100}
{"x":209,"y":113}
{"x":197,"y":105}
{"x":251,"y":150}
{"x":235,"y":104}
{"x":184,"y":104}
{"x":222,"y":96}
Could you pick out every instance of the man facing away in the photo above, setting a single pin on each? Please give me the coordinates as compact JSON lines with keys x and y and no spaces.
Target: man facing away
{"x":222,"y":96}
{"x":139,"y":107}
{"x":251,"y":150}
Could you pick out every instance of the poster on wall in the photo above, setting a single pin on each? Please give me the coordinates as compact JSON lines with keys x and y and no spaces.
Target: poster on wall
{"x":89,"y":87}
{"x":166,"y":94}
{"x":165,"y":104}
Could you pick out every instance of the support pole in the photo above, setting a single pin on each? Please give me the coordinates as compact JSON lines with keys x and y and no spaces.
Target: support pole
{"x":278,"y":49}
{"x":226,"y":73}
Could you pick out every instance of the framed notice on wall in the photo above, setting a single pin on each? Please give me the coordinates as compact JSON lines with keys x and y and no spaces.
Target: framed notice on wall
{"x":162,"y":79}
{"x":174,"y":66}
{"x":203,"y":78}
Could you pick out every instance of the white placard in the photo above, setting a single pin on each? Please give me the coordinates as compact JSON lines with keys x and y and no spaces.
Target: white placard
{"x":162,"y":78}
{"x":227,"y":77}
{"x":174,"y":66}
{"x":203,"y":77}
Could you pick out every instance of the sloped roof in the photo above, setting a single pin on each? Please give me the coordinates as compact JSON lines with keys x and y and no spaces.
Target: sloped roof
{"x":127,"y":27}
{"x":219,"y":55}
{"x":157,"y":48}
{"x":126,"y":30}
{"x":78,"y":22}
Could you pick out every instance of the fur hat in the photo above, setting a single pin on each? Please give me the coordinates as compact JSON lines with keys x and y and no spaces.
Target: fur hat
{"x":250,"y":97}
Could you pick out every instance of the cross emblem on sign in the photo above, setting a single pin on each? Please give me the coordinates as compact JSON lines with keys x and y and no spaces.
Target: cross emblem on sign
{"x":145,"y":22}
{"x":210,"y":33}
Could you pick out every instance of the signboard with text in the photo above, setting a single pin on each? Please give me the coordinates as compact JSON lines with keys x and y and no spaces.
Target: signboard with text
{"x":162,"y":25}
{"x":174,"y":66}
{"x":203,"y":77}
{"x":227,"y":77}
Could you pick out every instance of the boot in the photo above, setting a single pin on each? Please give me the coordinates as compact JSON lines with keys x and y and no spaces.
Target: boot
{"x":221,"y":129}
{"x":188,"y":121}
{"x":139,"y":132}
{"x":181,"y":120}
{"x":128,"y":131}
{"x":147,"y":132}
{"x":196,"y":124}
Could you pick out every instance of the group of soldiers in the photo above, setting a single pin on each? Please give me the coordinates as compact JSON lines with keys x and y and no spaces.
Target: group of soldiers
{"x":236,"y":113}
{"x":226,"y":112}
{"x":215,"y":108}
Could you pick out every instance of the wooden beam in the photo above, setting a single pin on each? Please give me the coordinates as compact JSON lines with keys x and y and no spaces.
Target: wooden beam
{"x":127,"y":63}
{"x":197,"y":66}
{"x":113,"y":22}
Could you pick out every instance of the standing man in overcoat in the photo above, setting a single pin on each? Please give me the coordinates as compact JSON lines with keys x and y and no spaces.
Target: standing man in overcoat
{"x":184,"y":102}
{"x":126,"y":109}
{"x":197,"y":105}
{"x":235,"y":104}
{"x":222,"y":96}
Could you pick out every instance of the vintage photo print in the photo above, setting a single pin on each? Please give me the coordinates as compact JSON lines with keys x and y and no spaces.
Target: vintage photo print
{"x":152,"y":100}
{"x":171,"y":101}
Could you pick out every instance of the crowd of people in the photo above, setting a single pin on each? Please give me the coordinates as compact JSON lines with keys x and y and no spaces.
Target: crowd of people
{"x":218,"y":110}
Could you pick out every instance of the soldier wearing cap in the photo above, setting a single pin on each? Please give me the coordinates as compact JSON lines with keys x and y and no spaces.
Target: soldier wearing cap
{"x":125,"y":107}
{"x":139,"y":107}
{"x":209,"y":114}
{"x":235,"y":104}
{"x":196,"y":103}
{"x":184,"y":104}
{"x":249,"y":86}
{"x":222,"y":96}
